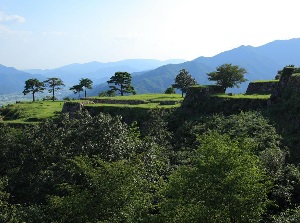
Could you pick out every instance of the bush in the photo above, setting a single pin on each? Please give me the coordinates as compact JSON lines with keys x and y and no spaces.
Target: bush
{"x":170,"y":90}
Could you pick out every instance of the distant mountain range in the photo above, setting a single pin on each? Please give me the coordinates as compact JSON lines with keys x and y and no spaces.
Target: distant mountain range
{"x":100,"y":72}
{"x":13,"y":80}
{"x":155,"y":76}
{"x":262,"y":63}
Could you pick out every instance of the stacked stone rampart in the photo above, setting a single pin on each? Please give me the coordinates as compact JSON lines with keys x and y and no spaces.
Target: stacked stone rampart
{"x":109,"y":101}
{"x":263,"y":87}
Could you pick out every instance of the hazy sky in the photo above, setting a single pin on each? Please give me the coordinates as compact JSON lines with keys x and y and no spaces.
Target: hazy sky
{"x":51,"y":33}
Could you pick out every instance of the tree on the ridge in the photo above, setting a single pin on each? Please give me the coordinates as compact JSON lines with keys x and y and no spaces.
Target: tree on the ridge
{"x":33,"y":86}
{"x":183,"y":81}
{"x":228,"y":76}
{"x":287,"y":70}
{"x":76,"y":89}
{"x":170,"y":90}
{"x":123,"y":80}
{"x":53,"y":83}
{"x":86,"y":83}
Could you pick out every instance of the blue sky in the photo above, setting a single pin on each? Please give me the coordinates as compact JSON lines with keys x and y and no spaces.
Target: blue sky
{"x":51,"y":33}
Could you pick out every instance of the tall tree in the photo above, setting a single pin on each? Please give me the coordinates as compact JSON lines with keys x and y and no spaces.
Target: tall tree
{"x":33,"y":86}
{"x":183,"y":81}
{"x":53,"y":83}
{"x":228,"y":76}
{"x":123,"y":80}
{"x":86,"y":83}
{"x":76,"y":89}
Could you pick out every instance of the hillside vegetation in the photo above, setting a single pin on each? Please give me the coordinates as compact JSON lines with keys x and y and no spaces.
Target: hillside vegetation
{"x":215,"y":158}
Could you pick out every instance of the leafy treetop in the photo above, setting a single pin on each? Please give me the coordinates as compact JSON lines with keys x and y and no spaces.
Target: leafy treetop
{"x":53,"y":83}
{"x":123,"y":80}
{"x":76,"y":89}
{"x":33,"y":86}
{"x":183,"y":81}
{"x":86,"y":83}
{"x":228,"y":76}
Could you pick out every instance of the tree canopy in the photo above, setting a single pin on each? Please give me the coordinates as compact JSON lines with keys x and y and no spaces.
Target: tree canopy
{"x":86,"y":83}
{"x":183,"y":81}
{"x":76,"y":89}
{"x":228,"y":76}
{"x":170,"y":90}
{"x":54,"y":84}
{"x":33,"y":86}
{"x":225,"y":183}
{"x":123,"y":80}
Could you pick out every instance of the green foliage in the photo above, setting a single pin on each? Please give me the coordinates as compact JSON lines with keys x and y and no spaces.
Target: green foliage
{"x":123,"y":80}
{"x":228,"y":76}
{"x":225,"y":183}
{"x":54,"y":84}
{"x":170,"y":90}
{"x":183,"y":81}
{"x":11,"y":112}
{"x":109,"y":93}
{"x":288,"y":216}
{"x":86,"y":83}
{"x":7,"y":211}
{"x":286,"y":72}
{"x":77,"y":89}
{"x":246,"y":126}
{"x":33,"y":86}
{"x":100,"y":191}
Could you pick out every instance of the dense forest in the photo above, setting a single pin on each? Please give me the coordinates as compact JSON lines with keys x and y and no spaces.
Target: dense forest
{"x":174,"y":166}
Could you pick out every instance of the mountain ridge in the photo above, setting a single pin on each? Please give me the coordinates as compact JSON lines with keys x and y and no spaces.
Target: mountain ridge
{"x":150,"y":75}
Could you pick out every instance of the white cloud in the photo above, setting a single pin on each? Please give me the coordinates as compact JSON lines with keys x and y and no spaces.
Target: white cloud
{"x":11,"y":18}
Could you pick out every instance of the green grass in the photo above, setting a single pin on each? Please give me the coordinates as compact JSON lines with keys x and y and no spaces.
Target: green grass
{"x":203,"y":86}
{"x":296,"y":75}
{"x":32,"y":112}
{"x":145,"y":97}
{"x":264,"y":81}
{"x":241,"y":96}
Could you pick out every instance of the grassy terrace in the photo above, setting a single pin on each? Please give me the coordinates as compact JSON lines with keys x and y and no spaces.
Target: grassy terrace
{"x":151,"y":101}
{"x":31,"y":112}
{"x":243,"y":96}
{"x":145,"y":97}
{"x":264,"y":81}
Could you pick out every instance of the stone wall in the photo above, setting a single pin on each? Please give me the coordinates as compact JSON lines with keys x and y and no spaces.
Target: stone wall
{"x":197,"y":93}
{"x":265,"y":87}
{"x":72,"y":107}
{"x":109,"y":101}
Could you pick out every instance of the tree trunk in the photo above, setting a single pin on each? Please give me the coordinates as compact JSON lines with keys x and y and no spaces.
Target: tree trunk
{"x":181,"y":93}
{"x":85,"y":93}
{"x":33,"y":99}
